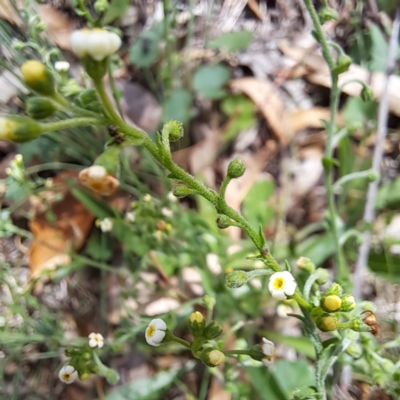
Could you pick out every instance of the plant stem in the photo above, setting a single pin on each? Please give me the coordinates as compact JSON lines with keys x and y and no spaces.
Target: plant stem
{"x":69,"y":123}
{"x":235,"y":352}
{"x":114,"y":90}
{"x":86,"y":12}
{"x":342,"y":272}
{"x":180,"y":341}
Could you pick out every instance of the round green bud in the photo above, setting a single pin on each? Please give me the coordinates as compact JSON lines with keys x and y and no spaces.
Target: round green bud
{"x":323,"y":276}
{"x":306,"y":264}
{"x":327,"y":14}
{"x":223,"y":222}
{"x":173,"y":130}
{"x":342,"y":64}
{"x":38,"y":77}
{"x":182,"y":191}
{"x":40,"y":107}
{"x":373,"y":176}
{"x":335,"y":289}
{"x":236,"y":168}
{"x":95,"y":69}
{"x":348,"y":303}
{"x":212,"y":330}
{"x":327,"y":322}
{"x":236,"y":279}
{"x":112,"y":376}
{"x":367,"y":94}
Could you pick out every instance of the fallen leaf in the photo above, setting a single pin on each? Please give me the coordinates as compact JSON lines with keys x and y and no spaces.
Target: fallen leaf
{"x":264,"y":95}
{"x":319,"y":74}
{"x":161,"y":306}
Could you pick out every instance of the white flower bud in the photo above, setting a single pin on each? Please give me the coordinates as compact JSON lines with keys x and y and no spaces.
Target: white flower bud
{"x":155,"y":332}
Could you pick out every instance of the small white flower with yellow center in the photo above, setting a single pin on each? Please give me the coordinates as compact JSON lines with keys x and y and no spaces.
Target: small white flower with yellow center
{"x":97,"y":179}
{"x":106,"y":225}
{"x":68,"y":374}
{"x":155,"y":332}
{"x":268,"y":348}
{"x":96,"y":340}
{"x":281,"y":285}
{"x":61,"y":66}
{"x":130,"y":216}
{"x":216,"y":357}
{"x":95,"y":43}
{"x":166,"y":212}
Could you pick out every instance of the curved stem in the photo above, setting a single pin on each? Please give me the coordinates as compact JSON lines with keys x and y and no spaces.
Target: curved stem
{"x":180,"y":341}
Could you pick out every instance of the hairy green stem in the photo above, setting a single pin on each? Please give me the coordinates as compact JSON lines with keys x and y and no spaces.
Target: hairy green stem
{"x":69,"y":123}
{"x":235,"y":352}
{"x":114,"y":90}
{"x":180,"y":341}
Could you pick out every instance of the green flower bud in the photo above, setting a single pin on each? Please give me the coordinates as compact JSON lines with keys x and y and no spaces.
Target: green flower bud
{"x":236,"y":168}
{"x":173,"y":130}
{"x":38,"y":77}
{"x":348,"y":303}
{"x":367,"y":94}
{"x":112,"y":376}
{"x":196,"y":323}
{"x":256,"y":353}
{"x":335,"y":289}
{"x":40,"y":107}
{"x":89,"y":100}
{"x":373,"y":176}
{"x":84,"y":376}
{"x":358,"y":325}
{"x":18,"y":129}
{"x":87,"y":355}
{"x":306,"y":264}
{"x":182,"y":191}
{"x":95,"y":69}
{"x":236,"y":279}
{"x":327,"y":322}
{"x":331,"y":303}
{"x":212,"y":330}
{"x":323,"y":276}
{"x":223,"y":221}
{"x":355,"y":350}
{"x":101,"y":6}
{"x":342,"y":64}
{"x":327,"y":14}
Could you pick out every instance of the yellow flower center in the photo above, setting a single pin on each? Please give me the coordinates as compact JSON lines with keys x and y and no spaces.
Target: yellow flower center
{"x":150,"y":331}
{"x":279,"y":283}
{"x":66,"y":377}
{"x":33,"y":70}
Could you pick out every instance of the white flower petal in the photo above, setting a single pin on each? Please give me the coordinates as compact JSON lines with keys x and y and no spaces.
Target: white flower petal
{"x":97,"y":172}
{"x":267,"y":362}
{"x":287,"y":276}
{"x":278,"y":294}
{"x":290,"y":288}
{"x":62,"y":66}
{"x":114,"y":42}
{"x":268,"y":347}
{"x":158,"y":336}
{"x":98,"y":46}
{"x":78,"y":42}
{"x":159,"y":323}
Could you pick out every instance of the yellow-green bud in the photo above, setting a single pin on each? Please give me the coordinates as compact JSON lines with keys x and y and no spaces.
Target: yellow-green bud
{"x":323,"y":276}
{"x":367,"y":94}
{"x":38,"y":77}
{"x":331,"y":303}
{"x":306,"y":264}
{"x":212,"y":330}
{"x":223,"y":221}
{"x":348,"y":303}
{"x":236,"y":168}
{"x":173,"y":130}
{"x":335,"y":288}
{"x":87,"y":356}
{"x":372,"y":176}
{"x":355,"y":350}
{"x":196,"y":323}
{"x":84,"y":376}
{"x":212,"y":357}
{"x":112,"y":376}
{"x":327,"y":322}
{"x":18,"y":129}
{"x":327,"y":14}
{"x":236,"y":279}
{"x":182,"y":191}
{"x":342,"y":64}
{"x":40,"y":107}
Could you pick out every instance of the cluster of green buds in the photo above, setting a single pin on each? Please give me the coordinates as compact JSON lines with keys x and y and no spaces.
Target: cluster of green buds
{"x":84,"y":361}
{"x":203,"y":345}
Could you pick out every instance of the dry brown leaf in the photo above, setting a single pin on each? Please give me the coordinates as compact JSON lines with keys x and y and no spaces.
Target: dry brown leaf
{"x":264,"y":95}
{"x":319,"y":75}
{"x":8,"y":12}
{"x":59,"y":26}
{"x":53,"y":240}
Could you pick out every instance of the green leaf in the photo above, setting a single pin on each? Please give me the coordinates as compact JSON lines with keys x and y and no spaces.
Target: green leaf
{"x":116,"y":9}
{"x":98,"y":207}
{"x":385,"y":264}
{"x":265,"y":384}
{"x":145,"y":50}
{"x":379,"y":49}
{"x":238,"y":104}
{"x":357,"y":112}
{"x":389,"y":195}
{"x":231,"y":41}
{"x":178,"y":106}
{"x":98,"y":250}
{"x":209,"y":80}
{"x":255,"y":209}
{"x":317,"y":247}
{"x":148,"y":388}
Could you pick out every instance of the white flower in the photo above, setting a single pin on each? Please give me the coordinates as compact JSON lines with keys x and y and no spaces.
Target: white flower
{"x":130,"y":216}
{"x":172,"y":197}
{"x":281,"y":285}
{"x":155,"y":332}
{"x":96,"y":340}
{"x":106,"y":225}
{"x":62,"y":66}
{"x":268,"y":348}
{"x":68,"y":374}
{"x":147,"y":198}
{"x":95,"y":43}
{"x":166,"y":212}
{"x":97,"y":179}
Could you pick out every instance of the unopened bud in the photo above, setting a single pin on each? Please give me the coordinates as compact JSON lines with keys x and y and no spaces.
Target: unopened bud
{"x":335,"y":289}
{"x":212,"y":357}
{"x":355,"y":350}
{"x":112,"y":376}
{"x":85,"y":376}
{"x":373,"y":176}
{"x":173,"y":130}
{"x":306,"y":264}
{"x":342,"y":64}
{"x":348,"y":303}
{"x":327,"y":322}
{"x":236,"y":168}
{"x":367,"y":94}
{"x":18,"y":129}
{"x":196,"y":323}
{"x":331,"y":303}
{"x":40,"y":107}
{"x":209,"y":301}
{"x":236,"y":279}
{"x":182,"y":191}
{"x":327,"y":14}
{"x":38,"y":77}
{"x":212,"y":330}
{"x":223,"y":222}
{"x":323,"y":276}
